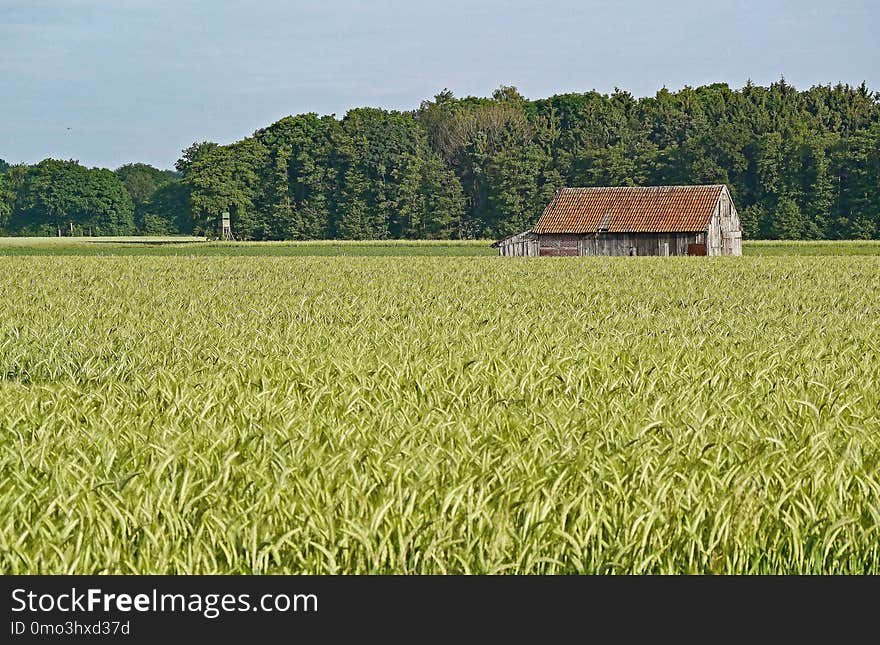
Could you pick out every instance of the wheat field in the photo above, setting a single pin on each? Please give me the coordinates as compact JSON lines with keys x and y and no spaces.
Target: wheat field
{"x":439,"y":415}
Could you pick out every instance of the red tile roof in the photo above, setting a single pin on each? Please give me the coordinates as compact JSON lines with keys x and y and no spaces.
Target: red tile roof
{"x":624,"y":209}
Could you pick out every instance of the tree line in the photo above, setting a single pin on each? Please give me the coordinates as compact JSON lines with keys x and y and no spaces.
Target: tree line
{"x":800,"y":165}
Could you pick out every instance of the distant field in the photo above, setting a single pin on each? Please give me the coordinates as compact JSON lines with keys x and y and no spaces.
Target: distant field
{"x":822,"y":247}
{"x":197,"y":246}
{"x":439,"y":415}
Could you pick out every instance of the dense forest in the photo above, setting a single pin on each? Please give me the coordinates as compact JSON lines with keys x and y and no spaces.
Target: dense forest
{"x":800,"y":165}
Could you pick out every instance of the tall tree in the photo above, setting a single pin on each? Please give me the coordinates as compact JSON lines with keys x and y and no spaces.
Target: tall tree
{"x":63,"y":197}
{"x":142,"y":181}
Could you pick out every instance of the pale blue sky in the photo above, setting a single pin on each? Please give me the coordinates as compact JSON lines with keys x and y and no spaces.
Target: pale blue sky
{"x":112,"y":81}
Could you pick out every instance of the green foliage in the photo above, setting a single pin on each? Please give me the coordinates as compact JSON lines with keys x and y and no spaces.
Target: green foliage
{"x":108,"y":209}
{"x":11,"y":186}
{"x":142,"y":182}
{"x":167,"y":212}
{"x":753,"y":220}
{"x":800,"y":165}
{"x":194,"y":415}
{"x":380,"y":154}
{"x":5,"y":202}
{"x":788,"y":222}
{"x":516,"y":190}
{"x":299,"y":180}
{"x":55,"y":197}
{"x":224,"y":179}
{"x":432,"y":201}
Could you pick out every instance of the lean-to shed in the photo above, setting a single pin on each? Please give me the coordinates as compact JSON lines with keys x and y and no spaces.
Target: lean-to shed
{"x":525,"y":243}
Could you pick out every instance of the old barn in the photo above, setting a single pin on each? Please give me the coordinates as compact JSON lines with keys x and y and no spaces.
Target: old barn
{"x":624,"y":220}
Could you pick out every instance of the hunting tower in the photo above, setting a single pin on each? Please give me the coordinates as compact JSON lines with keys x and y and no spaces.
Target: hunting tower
{"x":225,"y":228}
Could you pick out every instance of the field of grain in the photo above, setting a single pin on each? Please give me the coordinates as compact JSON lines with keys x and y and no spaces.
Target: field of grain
{"x":200,"y":247}
{"x":439,"y":415}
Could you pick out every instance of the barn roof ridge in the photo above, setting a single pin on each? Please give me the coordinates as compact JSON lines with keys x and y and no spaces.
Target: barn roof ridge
{"x":642,"y":187}
{"x":630,"y":209}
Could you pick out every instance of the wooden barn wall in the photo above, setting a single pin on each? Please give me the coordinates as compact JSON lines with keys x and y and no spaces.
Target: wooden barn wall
{"x":730,"y":228}
{"x":725,"y":232}
{"x":519,"y":246}
{"x":713,"y":247}
{"x":620,"y":244}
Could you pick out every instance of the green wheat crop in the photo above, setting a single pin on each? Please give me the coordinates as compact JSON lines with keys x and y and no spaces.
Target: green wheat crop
{"x":439,"y":415}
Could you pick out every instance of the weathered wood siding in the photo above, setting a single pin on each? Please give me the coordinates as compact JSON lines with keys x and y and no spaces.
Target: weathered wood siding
{"x":522,"y":244}
{"x":725,"y":231}
{"x":620,"y":243}
{"x":731,"y":229}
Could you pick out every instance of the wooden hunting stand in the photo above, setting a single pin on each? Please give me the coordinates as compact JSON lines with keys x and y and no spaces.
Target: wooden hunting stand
{"x":224,"y":226}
